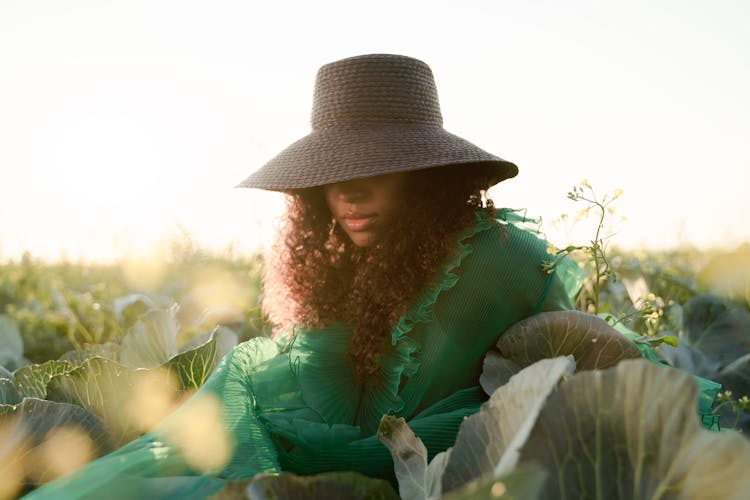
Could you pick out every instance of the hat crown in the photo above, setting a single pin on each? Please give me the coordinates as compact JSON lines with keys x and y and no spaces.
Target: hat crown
{"x":376,"y":88}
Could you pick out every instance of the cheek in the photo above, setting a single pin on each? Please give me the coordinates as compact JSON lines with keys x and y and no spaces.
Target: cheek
{"x":396,"y":199}
{"x":393,"y":201}
{"x":330,"y":197}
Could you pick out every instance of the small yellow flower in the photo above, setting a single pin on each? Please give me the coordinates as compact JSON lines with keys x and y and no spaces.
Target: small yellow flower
{"x":551,"y":250}
{"x":582,"y":214}
{"x":585,"y":183}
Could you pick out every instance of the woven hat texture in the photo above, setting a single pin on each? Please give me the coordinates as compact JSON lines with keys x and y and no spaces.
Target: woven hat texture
{"x":372,"y":115}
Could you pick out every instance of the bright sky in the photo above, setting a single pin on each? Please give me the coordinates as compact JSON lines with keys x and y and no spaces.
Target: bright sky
{"x":124,"y":122}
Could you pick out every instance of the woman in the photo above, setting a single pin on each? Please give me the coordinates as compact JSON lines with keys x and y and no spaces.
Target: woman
{"x":391,"y":281}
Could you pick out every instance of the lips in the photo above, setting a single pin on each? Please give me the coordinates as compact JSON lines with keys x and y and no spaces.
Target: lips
{"x":359,"y":222}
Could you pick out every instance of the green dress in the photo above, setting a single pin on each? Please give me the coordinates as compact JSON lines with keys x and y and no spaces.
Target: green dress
{"x":298,"y":407}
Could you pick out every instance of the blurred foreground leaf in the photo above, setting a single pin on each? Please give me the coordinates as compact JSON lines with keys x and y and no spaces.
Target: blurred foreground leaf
{"x":525,"y":482}
{"x":101,"y":386}
{"x":488,"y":442}
{"x":53,"y":438}
{"x":193,"y":366}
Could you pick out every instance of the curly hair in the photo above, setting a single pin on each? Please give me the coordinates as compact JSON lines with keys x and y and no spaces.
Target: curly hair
{"x":327,"y":279}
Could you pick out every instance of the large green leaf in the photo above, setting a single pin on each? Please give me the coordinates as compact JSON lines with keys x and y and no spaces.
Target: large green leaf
{"x":329,"y":486}
{"x":488,"y":441}
{"x":31,"y":380}
{"x":109,"y":350}
{"x":226,"y":340}
{"x":718,"y":327}
{"x":496,"y":371}
{"x":111,"y":390}
{"x":102,"y":386}
{"x":591,"y":341}
{"x":688,"y":358}
{"x":736,"y":376}
{"x":193,"y":366}
{"x":152,"y":340}
{"x":53,"y":436}
{"x":8,"y":393}
{"x":631,"y":432}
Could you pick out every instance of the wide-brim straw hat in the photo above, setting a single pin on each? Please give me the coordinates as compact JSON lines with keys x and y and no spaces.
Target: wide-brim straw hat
{"x":374,"y":114}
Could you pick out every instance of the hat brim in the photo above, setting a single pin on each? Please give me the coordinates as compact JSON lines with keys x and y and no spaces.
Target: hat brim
{"x":350,"y":151}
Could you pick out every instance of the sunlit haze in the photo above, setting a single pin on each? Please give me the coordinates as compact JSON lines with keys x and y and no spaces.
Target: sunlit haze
{"x":126,"y":124}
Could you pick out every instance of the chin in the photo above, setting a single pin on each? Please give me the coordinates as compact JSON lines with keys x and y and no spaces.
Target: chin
{"x":362,"y":240}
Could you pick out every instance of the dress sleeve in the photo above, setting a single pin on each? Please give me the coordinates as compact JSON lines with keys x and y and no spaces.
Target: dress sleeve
{"x":551,"y":283}
{"x":562,"y":286}
{"x":165,"y":463}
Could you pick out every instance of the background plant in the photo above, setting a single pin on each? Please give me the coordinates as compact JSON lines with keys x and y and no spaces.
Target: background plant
{"x":690,"y":307}
{"x":65,"y":327}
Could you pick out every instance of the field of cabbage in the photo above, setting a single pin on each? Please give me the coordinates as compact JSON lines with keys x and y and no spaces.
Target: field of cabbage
{"x":92,"y":356}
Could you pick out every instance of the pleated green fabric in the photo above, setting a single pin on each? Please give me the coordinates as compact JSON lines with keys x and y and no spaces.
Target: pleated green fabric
{"x":298,"y":407}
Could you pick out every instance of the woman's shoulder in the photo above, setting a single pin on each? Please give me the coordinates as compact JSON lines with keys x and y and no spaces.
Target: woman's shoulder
{"x":512,"y":234}
{"x":510,"y":250}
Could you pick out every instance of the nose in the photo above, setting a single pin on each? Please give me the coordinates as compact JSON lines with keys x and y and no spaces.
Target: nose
{"x":351,"y":191}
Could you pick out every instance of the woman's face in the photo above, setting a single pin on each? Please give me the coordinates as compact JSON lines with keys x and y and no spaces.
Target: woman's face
{"x":365,"y":207}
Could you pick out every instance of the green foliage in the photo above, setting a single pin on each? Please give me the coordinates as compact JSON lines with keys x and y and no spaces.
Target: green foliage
{"x":714,"y":344}
{"x":31,"y":381}
{"x":94,"y":399}
{"x":594,"y":254}
{"x":9,"y":395}
{"x":613,"y":433}
{"x":65,"y":306}
{"x":618,"y":433}
{"x":690,"y":308}
{"x":72,"y":335}
{"x":11,"y":344}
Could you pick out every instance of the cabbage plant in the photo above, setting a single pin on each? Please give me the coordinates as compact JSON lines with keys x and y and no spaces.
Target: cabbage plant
{"x":618,"y":428}
{"x":99,"y":399}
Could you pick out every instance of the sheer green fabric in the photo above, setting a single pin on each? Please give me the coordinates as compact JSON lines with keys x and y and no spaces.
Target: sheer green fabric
{"x":298,"y":406}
